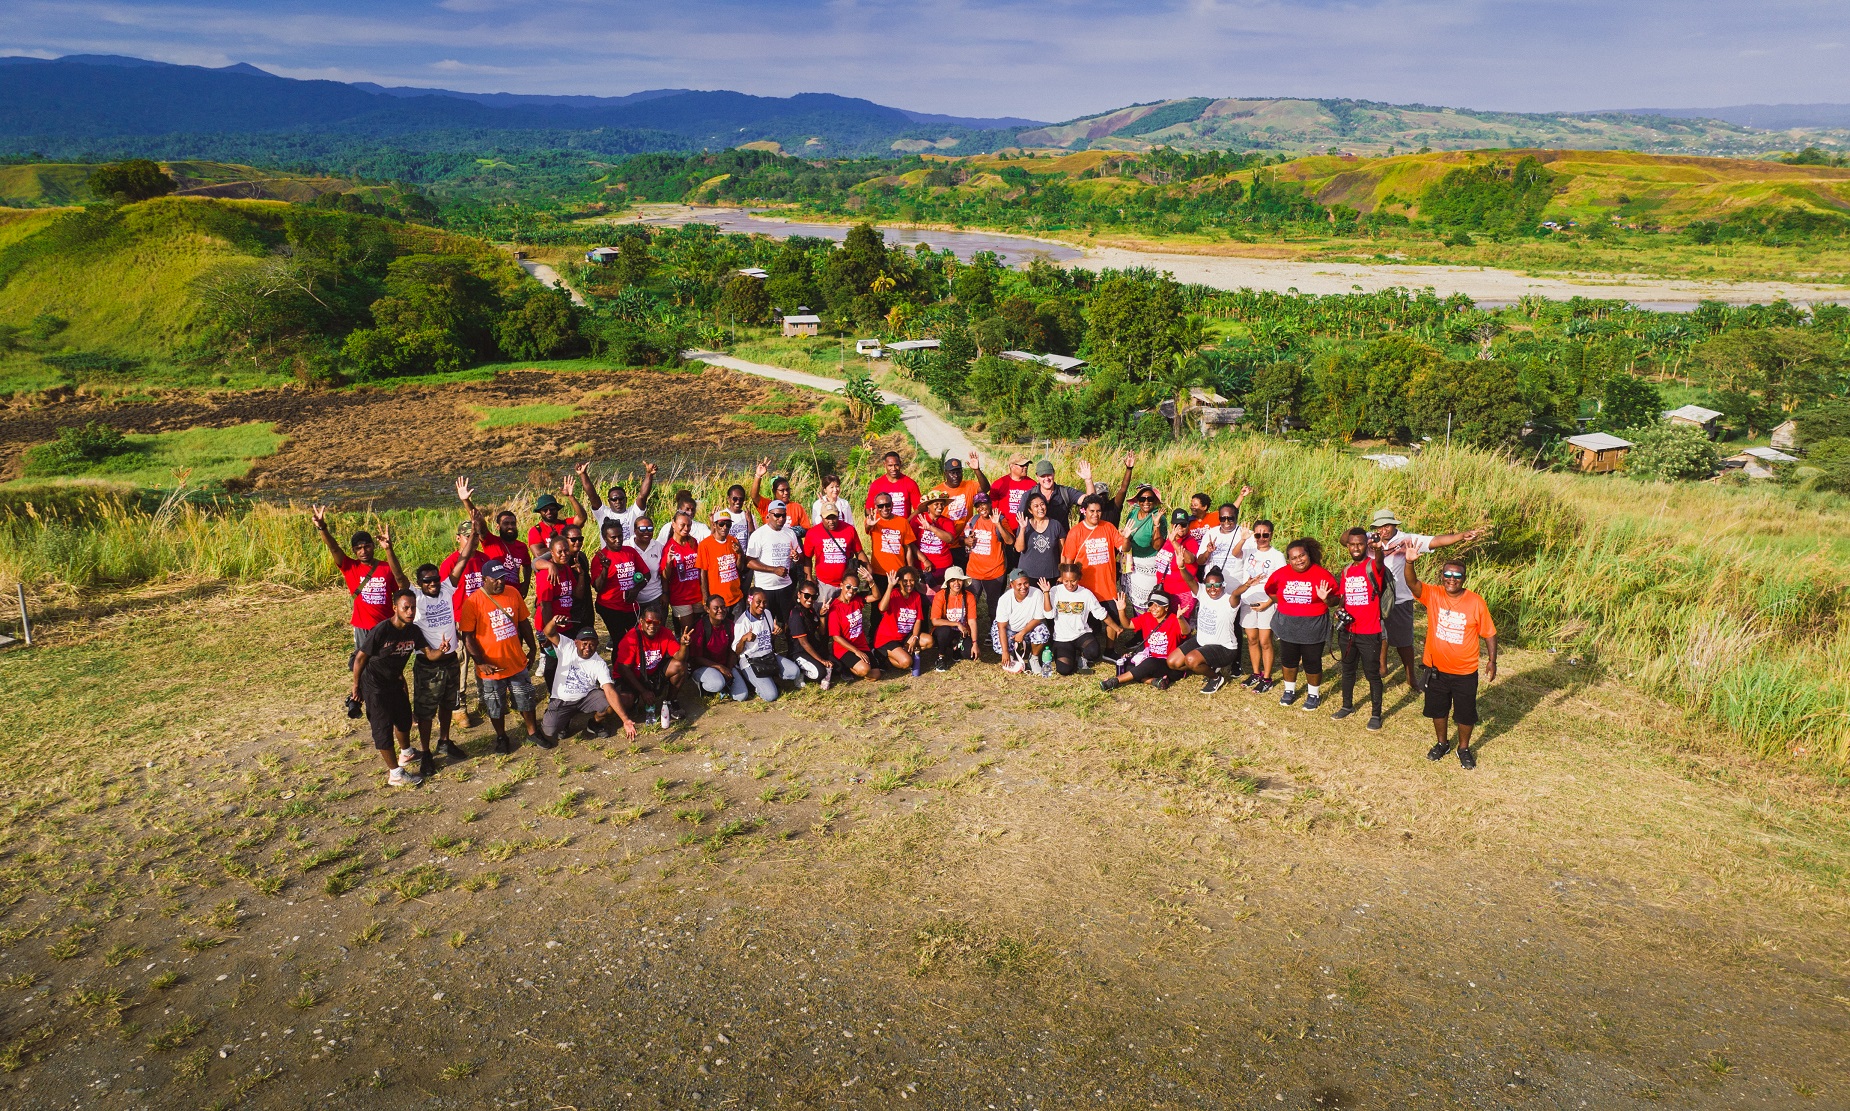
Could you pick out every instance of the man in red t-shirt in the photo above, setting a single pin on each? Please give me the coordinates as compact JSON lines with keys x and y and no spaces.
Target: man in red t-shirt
{"x":829,"y":546}
{"x":1005,"y":495}
{"x":1361,"y":585}
{"x":680,"y":571}
{"x":903,"y":492}
{"x":650,"y":664}
{"x":505,"y":546}
{"x":370,"y":581}
{"x":618,"y":574}
{"x":1305,"y":594}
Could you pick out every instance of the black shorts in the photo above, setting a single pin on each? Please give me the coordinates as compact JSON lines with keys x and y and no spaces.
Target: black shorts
{"x":1216,"y":655}
{"x":1399,"y":624}
{"x":880,"y":651}
{"x":1306,"y":656}
{"x":1453,"y":696}
{"x":387,"y":709}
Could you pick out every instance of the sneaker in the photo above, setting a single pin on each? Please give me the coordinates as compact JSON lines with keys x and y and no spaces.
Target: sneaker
{"x":427,"y":765}
{"x":543,"y":739}
{"x":1213,"y":683}
{"x":1164,"y":683}
{"x":943,"y":663}
{"x":1467,"y":759}
{"x":503,"y":746}
{"x":667,"y":716}
{"x":1340,"y":714}
{"x":406,"y":756}
{"x":1374,"y":723}
{"x":1438,"y":751}
{"x":1289,"y":696}
{"x":1251,"y":681}
{"x":450,"y":750}
{"x":828,"y":676}
{"x":403,"y":777}
{"x":1040,"y":667}
{"x":1110,"y":684}
{"x":1313,"y":701}
{"x":1086,"y":667}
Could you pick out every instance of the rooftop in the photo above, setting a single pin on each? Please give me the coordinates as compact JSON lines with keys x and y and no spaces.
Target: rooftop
{"x":1693,"y":413}
{"x":1598,"y":441}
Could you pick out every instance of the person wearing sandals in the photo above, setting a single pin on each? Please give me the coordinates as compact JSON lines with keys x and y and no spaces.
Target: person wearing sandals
{"x":1305,"y":593}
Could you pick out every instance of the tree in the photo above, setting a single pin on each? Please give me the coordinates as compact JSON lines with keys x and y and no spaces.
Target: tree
{"x":435,"y":316}
{"x":137,"y":179}
{"x":1827,"y":420}
{"x":1138,"y":326}
{"x":1665,"y":452}
{"x":542,"y":324}
{"x":975,"y":284}
{"x":1365,"y":392}
{"x":634,"y":263}
{"x":1479,"y":402}
{"x":1629,"y":402}
{"x":1760,"y":374}
{"x":745,"y":300}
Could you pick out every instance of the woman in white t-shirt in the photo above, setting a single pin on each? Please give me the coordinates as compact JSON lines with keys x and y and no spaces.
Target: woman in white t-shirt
{"x":830,"y":501}
{"x":1256,"y":606}
{"x":1071,"y":609}
{"x":1214,"y":649}
{"x":759,"y":667}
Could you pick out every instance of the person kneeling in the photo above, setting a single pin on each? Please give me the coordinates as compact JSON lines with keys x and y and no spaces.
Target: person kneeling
{"x":1160,"y":661}
{"x":759,"y":667}
{"x":650,"y":664}
{"x":902,"y":639}
{"x":582,"y":685}
{"x":953,"y":619}
{"x":847,"y":625}
{"x":1071,"y":609}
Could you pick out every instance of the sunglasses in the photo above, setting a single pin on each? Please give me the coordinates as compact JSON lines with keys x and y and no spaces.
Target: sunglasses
{"x":1226,"y":520}
{"x":778,"y":514}
{"x":1452,"y":575}
{"x":883,"y":505}
{"x":1147,"y":498}
{"x":429,"y":582}
{"x":1260,"y":535}
{"x":806,"y":597}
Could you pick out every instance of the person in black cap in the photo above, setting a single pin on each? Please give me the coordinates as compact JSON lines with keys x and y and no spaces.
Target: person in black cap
{"x":1160,"y":661}
{"x":581,"y":685}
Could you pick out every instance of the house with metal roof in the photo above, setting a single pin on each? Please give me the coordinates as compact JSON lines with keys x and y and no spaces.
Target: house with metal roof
{"x":1695,"y":416}
{"x":1598,"y":452}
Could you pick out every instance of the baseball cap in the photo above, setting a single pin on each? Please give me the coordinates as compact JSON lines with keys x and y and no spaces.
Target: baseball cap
{"x":778,"y":506}
{"x":1181,"y":517}
{"x":831,"y":512}
{"x":1386,"y":517}
{"x":722,"y":514}
{"x":1159,"y":599}
{"x":1045,"y":466}
{"x":547,"y":501}
{"x":585,"y":632}
{"x":980,"y":499}
{"x":1019,"y":460}
{"x":1017,"y":573}
{"x":497,"y":569}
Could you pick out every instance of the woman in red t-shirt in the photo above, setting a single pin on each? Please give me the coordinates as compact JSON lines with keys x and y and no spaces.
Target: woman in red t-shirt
{"x":680,"y":570}
{"x":848,"y":630}
{"x":937,"y":538}
{"x":709,"y":648}
{"x":1305,"y":593}
{"x":903,"y":632}
{"x":1161,"y":660}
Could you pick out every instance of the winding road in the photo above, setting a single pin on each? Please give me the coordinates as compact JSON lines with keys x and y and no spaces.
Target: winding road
{"x":547,"y":276}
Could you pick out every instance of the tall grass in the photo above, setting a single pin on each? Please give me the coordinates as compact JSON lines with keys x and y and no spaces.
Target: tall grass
{"x":1696,"y":595}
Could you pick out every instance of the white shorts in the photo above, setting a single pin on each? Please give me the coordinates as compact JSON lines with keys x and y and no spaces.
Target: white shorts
{"x":1256,"y":619}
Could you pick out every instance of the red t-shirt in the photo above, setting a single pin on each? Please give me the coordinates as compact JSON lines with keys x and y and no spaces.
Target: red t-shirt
{"x":829,"y":551}
{"x":901,"y":617}
{"x":846,"y":620}
{"x":554,"y":594}
{"x":1158,"y":640}
{"x":1361,"y":590}
{"x":1005,"y":495}
{"x":681,"y":572}
{"x":471,"y":576}
{"x":542,"y":533}
{"x":936,"y":549}
{"x":646,"y":654}
{"x":709,"y":641}
{"x":1296,"y":591}
{"x":903,"y":491}
{"x":1169,"y":573}
{"x":372,"y":586}
{"x":623,"y":570}
{"x":510,"y":551}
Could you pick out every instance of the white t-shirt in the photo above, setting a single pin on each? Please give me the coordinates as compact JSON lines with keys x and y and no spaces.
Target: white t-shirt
{"x":1018,"y":613}
{"x":775,"y":546}
{"x":437,"y":616}
{"x":1218,"y":546}
{"x":744,"y":523}
{"x":577,"y":675}
{"x":626,"y":516}
{"x":1259,"y":565}
{"x":1071,"y":609}
{"x":652,"y":561}
{"x":1216,"y":622}
{"x":1394,"y":558}
{"x":759,"y":626}
{"x":819,"y":509}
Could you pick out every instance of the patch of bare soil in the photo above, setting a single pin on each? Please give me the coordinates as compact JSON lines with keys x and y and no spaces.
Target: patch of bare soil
{"x":402,"y":446}
{"x":966,"y":890}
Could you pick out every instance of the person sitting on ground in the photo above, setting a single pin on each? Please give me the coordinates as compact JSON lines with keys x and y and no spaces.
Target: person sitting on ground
{"x":937,"y":539}
{"x":582,"y":685}
{"x":953,"y":620}
{"x":987,"y":543}
{"x":1397,"y":548}
{"x":618,"y":508}
{"x":1363,"y":583}
{"x":680,"y":571}
{"x":1259,"y":560}
{"x":891,"y":542}
{"x":808,"y":636}
{"x":497,"y":631}
{"x":1456,"y":619}
{"x":830,"y":546}
{"x":371,"y":582}
{"x":847,"y":625}
{"x":379,"y":685}
{"x":1305,"y":593}
{"x":896,"y":486}
{"x":903,"y":636}
{"x":709,"y":647}
{"x":651,"y":663}
{"x":754,"y":632}
{"x":436,"y":683}
{"x":1070,"y":610}
{"x":618,"y":574}
{"x":1019,"y":630}
{"x":722,"y":563}
{"x":1214,"y":649}
{"x":1159,"y":662}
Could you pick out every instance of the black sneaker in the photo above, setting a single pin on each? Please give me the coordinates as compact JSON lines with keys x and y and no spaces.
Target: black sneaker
{"x":1341,"y":714}
{"x":1313,"y":701}
{"x":1110,"y":684}
{"x":1467,"y":759}
{"x":1264,"y":686}
{"x":1287,"y":698}
{"x":427,"y":765}
{"x":1163,"y":683}
{"x":1438,"y":751}
{"x":543,"y":739}
{"x":1213,"y":683}
{"x":450,"y":750}
{"x":1251,"y":681}
{"x":1375,"y":722}
{"x":503,"y":746}
{"x":943,"y":663}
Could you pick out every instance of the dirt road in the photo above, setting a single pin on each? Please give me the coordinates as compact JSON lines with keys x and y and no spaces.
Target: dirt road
{"x":547,"y":276}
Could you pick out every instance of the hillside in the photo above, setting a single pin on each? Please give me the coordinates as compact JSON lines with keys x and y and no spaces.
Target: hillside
{"x":40,"y":184}
{"x":1368,"y":127}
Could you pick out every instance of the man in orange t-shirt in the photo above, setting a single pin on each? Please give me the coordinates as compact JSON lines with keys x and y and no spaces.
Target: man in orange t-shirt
{"x":891,"y":542}
{"x":1456,"y":619}
{"x":721,"y":560}
{"x":497,"y":631}
{"x":960,"y":494}
{"x":1094,"y":544}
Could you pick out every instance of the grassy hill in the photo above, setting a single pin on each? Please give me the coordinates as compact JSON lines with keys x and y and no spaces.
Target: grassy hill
{"x":1360,"y":126}
{"x":37,"y":184}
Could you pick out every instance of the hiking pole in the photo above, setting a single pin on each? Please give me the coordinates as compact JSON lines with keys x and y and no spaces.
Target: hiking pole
{"x":25,"y":623}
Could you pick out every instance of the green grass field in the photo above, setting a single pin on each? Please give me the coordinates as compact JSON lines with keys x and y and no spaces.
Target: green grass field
{"x":206,"y":457}
{"x":505,"y":416}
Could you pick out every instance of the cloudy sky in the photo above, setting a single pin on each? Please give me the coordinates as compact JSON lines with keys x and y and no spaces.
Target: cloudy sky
{"x":1047,"y":59}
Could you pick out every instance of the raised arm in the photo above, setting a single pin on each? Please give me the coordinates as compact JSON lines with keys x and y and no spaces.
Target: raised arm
{"x":570,"y":490}
{"x":1130,"y":465}
{"x":1412,"y":579}
{"x":647,"y":488}
{"x":758,"y":472}
{"x":976,"y":468}
{"x":320,"y":514}
{"x":1450,"y":538}
{"x":583,"y":471}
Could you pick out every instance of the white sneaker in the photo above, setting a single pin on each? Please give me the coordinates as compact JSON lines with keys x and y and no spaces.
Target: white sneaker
{"x":407,"y":757}
{"x":1040,"y":667}
{"x":404,"y":777}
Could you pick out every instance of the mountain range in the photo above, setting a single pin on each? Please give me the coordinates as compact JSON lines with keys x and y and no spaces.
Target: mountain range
{"x":88,"y":106}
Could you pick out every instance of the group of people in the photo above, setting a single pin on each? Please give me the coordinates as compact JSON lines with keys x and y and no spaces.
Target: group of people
{"x":767,"y":593}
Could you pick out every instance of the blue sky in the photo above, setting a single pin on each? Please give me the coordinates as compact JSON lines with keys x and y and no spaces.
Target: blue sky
{"x":1049,"y":59}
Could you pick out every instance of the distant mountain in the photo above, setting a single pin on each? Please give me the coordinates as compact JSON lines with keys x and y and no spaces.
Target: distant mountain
{"x":1772,"y":117}
{"x":521,"y":100}
{"x":1369,"y":127}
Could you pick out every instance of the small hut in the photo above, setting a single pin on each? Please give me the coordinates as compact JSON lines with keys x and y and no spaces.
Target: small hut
{"x":806,"y":324}
{"x":1696,"y":417}
{"x":1599,"y":453}
{"x":1786,"y":436}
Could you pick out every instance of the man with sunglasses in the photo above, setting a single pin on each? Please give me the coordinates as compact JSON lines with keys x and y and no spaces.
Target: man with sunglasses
{"x":1397,"y":548}
{"x":891,"y":543}
{"x":771,"y":552}
{"x":618,"y":507}
{"x":960,"y":494}
{"x":830,"y":546}
{"x":1456,"y":619}
{"x":436,"y":683}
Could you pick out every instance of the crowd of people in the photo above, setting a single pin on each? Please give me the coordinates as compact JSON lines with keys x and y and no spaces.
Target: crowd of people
{"x":767,"y":594}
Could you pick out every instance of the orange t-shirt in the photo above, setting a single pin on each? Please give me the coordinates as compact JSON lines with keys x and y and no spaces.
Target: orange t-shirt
{"x":722,"y":561}
{"x":962,"y":496}
{"x":886,"y":543}
{"x":942,"y":608}
{"x":1092,"y":547}
{"x":794,"y":514}
{"x":1453,"y":626}
{"x":494,"y":620}
{"x":985,"y":544}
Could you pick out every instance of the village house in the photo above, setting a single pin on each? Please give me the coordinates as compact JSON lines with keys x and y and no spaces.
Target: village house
{"x":1786,"y":436}
{"x":1758,"y":462}
{"x":1599,"y":453}
{"x":802,"y":324}
{"x":1696,"y":417}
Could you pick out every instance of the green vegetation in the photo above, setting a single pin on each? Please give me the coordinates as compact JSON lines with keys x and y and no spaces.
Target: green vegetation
{"x":137,"y":179}
{"x":505,"y":416}
{"x":203,"y":457}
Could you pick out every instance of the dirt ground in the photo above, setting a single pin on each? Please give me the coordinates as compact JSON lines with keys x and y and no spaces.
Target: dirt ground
{"x":398,"y":447}
{"x":966,"y":890}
